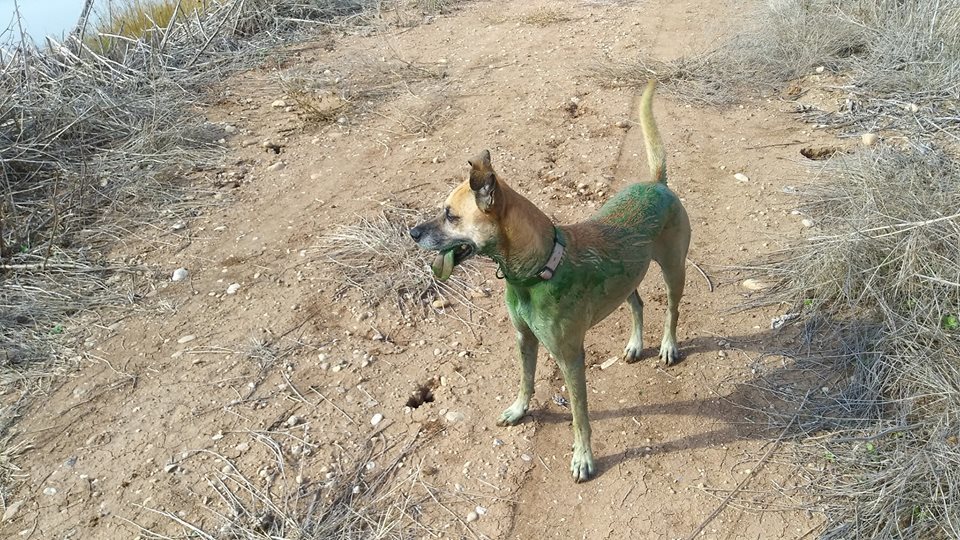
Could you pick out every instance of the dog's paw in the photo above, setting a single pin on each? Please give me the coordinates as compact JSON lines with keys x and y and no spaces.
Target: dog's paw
{"x":632,"y":352}
{"x":582,"y":465}
{"x":669,"y":352}
{"x":512,"y":415}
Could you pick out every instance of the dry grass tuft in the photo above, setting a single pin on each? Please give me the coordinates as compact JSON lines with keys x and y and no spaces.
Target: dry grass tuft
{"x":378,"y":258}
{"x":371,"y":497}
{"x":878,"y":291}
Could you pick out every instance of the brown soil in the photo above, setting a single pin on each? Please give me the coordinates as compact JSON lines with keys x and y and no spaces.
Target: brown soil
{"x":670,"y":442}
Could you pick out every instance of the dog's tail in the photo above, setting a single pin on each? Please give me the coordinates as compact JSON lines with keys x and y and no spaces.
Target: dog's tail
{"x":656,"y":158}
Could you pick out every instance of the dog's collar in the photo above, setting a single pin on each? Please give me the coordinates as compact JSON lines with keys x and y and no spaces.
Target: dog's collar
{"x":546,"y":272}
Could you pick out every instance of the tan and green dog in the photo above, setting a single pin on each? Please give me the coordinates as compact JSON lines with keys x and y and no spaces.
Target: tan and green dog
{"x":562,"y":280}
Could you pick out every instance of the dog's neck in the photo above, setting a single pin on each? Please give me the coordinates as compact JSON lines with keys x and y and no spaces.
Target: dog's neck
{"x":526,"y":237}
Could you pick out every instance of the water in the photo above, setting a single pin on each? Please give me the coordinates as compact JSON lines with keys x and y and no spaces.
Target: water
{"x":42,"y":18}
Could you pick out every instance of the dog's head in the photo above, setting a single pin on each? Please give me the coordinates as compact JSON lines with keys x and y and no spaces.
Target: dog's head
{"x":468,"y":222}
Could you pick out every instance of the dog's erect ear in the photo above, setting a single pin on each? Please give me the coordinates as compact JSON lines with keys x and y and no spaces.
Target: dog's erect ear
{"x":483,"y":181}
{"x":482,"y":161}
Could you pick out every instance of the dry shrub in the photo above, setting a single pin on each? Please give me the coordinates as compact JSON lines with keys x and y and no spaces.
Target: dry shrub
{"x":878,"y":290}
{"x":377,"y":258}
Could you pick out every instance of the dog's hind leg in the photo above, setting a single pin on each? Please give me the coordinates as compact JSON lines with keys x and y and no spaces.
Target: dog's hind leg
{"x":635,"y":346}
{"x":527,"y":345}
{"x":674,"y":276}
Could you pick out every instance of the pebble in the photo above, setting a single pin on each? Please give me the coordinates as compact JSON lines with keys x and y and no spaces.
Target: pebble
{"x":233,"y":288}
{"x":472,"y":516}
{"x":50,"y":491}
{"x":609,"y":362}
{"x":807,"y":222}
{"x":481,"y":510}
{"x":293,"y":420}
{"x":868,"y":139}
{"x":623,"y":124}
{"x":740,"y":177}
{"x":526,"y":457}
{"x":243,"y":447}
{"x":229,"y":129}
{"x":218,"y":436}
{"x":820,"y":69}
{"x":454,"y":416}
{"x":336,"y":368}
{"x":180,"y":274}
{"x":277,"y":166}
{"x":377,"y":418}
{"x":171,"y":468}
{"x":279,"y":103}
{"x":186,"y":339}
{"x":11,"y":511}
{"x":754,"y":284}
{"x":179,"y":225}
{"x":722,"y":354}
{"x":440,"y":304}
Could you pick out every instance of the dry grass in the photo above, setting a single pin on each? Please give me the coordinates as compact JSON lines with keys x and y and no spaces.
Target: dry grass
{"x":138,"y":19}
{"x":370,"y":497}
{"x":899,"y":62}
{"x":878,"y":291}
{"x":377,"y":258}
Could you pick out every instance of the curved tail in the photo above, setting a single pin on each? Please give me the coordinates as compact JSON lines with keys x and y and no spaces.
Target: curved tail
{"x":656,"y":158}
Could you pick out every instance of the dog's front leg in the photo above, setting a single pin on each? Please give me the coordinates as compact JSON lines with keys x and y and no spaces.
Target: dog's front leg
{"x":527,"y":345}
{"x":572,"y":366}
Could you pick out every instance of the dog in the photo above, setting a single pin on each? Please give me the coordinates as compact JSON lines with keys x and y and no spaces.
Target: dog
{"x":562,"y":280}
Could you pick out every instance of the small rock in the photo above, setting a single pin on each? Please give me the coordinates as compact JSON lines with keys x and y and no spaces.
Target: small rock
{"x":722,"y":354}
{"x":218,"y":436}
{"x":336,"y":368}
{"x":180,"y":274}
{"x":472,"y":516}
{"x":869,"y":139}
{"x":229,"y":129}
{"x":481,"y":510}
{"x":377,"y":418}
{"x":740,"y":177}
{"x":277,"y":166}
{"x":178,"y":225}
{"x":233,"y":288}
{"x":454,"y":416}
{"x":50,"y":491}
{"x":11,"y":511}
{"x":623,"y":124}
{"x":243,"y":447}
{"x":278,"y":103}
{"x":171,"y":467}
{"x":820,"y":69}
{"x":186,"y":339}
{"x":293,"y":420}
{"x":526,"y":457}
{"x":609,"y":362}
{"x":440,"y":303}
{"x":807,"y":222}
{"x":754,"y":284}
{"x":913,"y":107}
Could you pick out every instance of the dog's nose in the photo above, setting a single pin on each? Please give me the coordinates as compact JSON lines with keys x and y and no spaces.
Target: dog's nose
{"x":415,"y":233}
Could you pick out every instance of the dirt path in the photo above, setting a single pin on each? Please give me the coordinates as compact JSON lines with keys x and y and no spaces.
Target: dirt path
{"x":670,"y":443}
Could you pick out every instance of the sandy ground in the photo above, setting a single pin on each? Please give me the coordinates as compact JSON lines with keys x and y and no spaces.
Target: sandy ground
{"x":179,"y":382}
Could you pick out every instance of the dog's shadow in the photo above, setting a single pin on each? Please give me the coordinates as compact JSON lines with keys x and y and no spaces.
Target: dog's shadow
{"x":728,"y":411}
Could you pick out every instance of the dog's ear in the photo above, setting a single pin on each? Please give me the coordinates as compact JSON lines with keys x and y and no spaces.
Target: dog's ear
{"x":483,"y":181}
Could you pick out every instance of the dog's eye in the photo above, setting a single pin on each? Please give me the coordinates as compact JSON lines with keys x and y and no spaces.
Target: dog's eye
{"x":450,"y":217}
